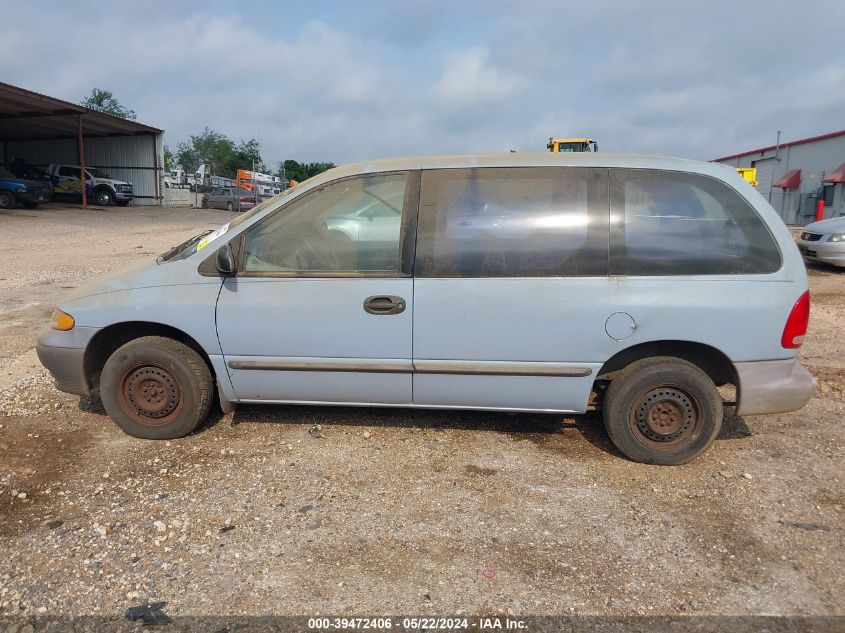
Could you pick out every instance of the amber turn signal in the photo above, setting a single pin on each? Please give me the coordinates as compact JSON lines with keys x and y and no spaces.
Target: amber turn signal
{"x":62,"y":321}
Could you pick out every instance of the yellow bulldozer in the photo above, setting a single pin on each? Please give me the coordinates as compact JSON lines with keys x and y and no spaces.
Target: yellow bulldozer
{"x":572,"y":145}
{"x":749,"y":174}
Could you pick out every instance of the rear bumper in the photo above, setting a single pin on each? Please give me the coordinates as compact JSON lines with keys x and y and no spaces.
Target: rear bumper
{"x":773,"y":386}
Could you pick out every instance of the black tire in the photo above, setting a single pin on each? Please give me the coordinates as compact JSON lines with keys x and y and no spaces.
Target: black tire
{"x":662,"y":410}
{"x":104,"y":197}
{"x":7,"y":200}
{"x":156,"y":388}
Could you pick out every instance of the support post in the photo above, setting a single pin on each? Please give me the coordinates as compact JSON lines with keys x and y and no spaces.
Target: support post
{"x":156,"y":175}
{"x":82,"y":181}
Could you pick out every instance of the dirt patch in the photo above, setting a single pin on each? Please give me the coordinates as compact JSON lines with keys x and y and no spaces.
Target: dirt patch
{"x":394,"y":511}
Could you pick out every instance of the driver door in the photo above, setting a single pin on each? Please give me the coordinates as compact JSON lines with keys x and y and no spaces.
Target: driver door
{"x":321,"y":307}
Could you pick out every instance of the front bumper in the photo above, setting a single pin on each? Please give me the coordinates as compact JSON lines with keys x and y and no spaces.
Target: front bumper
{"x":773,"y":386}
{"x":63,"y":354}
{"x":823,"y":251}
{"x":123,"y":195}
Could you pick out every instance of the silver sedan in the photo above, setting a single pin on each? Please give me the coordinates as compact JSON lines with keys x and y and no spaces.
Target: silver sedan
{"x":824,"y":241}
{"x":229,"y":198}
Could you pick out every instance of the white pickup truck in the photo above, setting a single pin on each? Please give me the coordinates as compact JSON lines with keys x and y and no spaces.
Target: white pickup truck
{"x":100,"y":188}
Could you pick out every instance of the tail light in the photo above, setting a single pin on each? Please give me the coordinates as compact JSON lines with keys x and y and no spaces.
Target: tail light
{"x":796,"y":324}
{"x":247,"y":199}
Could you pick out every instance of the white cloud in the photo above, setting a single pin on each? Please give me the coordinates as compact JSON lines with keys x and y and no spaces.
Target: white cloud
{"x":470,"y":80}
{"x":344,"y":82}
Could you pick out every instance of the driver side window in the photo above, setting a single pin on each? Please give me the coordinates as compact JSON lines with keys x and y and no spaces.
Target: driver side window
{"x":333,"y":229}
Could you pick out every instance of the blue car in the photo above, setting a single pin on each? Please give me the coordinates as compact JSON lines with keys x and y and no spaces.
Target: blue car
{"x":29,"y":193}
{"x":520,"y":282}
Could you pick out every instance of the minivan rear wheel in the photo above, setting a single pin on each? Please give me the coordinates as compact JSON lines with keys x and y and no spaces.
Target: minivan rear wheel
{"x":156,"y":388}
{"x":662,"y":410}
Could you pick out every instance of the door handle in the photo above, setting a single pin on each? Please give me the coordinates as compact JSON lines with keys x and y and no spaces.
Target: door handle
{"x":384,"y":304}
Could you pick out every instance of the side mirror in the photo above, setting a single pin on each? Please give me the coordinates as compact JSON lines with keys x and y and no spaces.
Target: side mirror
{"x":225,"y":260}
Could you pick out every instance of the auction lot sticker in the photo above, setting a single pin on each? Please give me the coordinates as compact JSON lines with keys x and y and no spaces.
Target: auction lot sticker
{"x":212,"y":236}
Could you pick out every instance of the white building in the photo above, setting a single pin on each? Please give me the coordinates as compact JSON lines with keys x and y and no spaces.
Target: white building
{"x":793,"y":176}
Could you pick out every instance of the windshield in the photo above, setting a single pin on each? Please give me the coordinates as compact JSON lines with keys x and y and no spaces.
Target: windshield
{"x":184,"y":249}
{"x":97,"y":173}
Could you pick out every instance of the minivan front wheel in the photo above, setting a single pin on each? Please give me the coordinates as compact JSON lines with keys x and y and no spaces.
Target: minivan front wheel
{"x":662,"y":410}
{"x":156,"y":388}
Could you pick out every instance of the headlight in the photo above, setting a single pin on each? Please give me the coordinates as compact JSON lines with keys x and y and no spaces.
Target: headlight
{"x":61,"y":321}
{"x":837,"y":237}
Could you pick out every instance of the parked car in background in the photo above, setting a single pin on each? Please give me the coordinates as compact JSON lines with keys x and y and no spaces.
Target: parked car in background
{"x":824,"y":241}
{"x":228,"y":198}
{"x":100,"y":187}
{"x":495,"y":282}
{"x":22,"y":169}
{"x":29,"y":193}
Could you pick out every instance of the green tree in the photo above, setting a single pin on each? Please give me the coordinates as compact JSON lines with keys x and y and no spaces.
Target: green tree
{"x":169,"y":159}
{"x":247,"y":154}
{"x":219,"y":151}
{"x":105,"y":101}
{"x":209,"y":147}
{"x":297,"y":171}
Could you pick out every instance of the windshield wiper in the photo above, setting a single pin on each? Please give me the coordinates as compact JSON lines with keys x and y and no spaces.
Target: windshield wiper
{"x":172,"y":252}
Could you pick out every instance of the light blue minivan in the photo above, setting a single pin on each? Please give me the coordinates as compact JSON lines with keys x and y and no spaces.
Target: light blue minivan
{"x":521,"y":282}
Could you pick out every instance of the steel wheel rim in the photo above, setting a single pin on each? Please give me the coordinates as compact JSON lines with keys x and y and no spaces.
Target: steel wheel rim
{"x":150,"y":395}
{"x":102,"y":198}
{"x":666,"y":418}
{"x":5,"y":201}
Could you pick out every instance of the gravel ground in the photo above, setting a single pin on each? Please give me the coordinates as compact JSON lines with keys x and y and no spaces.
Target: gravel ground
{"x":298,"y":510}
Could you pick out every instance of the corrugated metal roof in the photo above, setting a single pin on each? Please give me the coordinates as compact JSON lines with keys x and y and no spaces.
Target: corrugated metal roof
{"x":28,"y":115}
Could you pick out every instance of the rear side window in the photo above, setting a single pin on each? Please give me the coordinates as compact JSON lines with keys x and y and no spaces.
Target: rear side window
{"x":669,"y":223}
{"x":512,"y":222}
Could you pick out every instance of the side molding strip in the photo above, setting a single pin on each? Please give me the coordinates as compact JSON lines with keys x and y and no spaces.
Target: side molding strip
{"x":377,"y":366}
{"x":496,"y":368}
{"x":328,"y":364}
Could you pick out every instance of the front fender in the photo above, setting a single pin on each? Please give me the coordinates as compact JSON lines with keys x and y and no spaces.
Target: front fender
{"x":186,"y":307}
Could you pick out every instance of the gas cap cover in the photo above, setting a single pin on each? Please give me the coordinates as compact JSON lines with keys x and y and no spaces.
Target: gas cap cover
{"x":620,"y":325}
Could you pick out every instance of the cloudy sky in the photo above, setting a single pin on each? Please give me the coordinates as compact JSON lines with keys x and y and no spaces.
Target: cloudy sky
{"x":345,"y":81}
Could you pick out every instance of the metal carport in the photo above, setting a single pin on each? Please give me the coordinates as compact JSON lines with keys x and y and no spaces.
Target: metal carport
{"x":43,"y":130}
